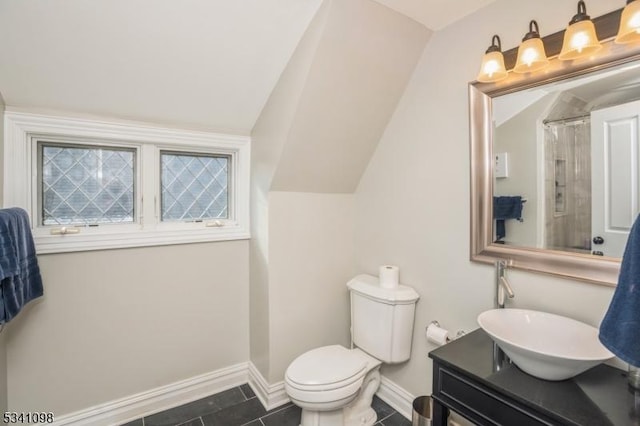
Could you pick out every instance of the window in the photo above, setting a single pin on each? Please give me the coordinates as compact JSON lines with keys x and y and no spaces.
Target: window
{"x":85,"y":185}
{"x":194,"y":186}
{"x":95,"y":185}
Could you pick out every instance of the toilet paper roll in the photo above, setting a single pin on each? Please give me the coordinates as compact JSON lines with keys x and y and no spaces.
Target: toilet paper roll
{"x":437,"y":335}
{"x":389,"y":276}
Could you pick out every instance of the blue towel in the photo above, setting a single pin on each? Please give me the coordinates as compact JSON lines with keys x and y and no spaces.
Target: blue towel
{"x":620,"y":328}
{"x":20,"y":280}
{"x":506,"y":207}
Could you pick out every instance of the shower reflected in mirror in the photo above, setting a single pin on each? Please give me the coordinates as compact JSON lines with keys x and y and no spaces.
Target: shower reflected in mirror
{"x":569,"y":152}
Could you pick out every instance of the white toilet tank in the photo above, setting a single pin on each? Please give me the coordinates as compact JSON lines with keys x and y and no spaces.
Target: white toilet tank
{"x":382,"y":318}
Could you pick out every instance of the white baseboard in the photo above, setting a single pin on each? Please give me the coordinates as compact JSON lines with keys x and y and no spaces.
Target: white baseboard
{"x":136,"y":406}
{"x":398,"y":398}
{"x":271,"y":396}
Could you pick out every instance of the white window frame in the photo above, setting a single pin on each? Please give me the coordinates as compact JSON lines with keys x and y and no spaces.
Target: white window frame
{"x":24,"y":130}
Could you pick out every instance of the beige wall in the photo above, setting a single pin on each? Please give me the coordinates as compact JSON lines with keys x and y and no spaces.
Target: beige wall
{"x":413,"y":200}
{"x":310,"y":144}
{"x":115,"y":323}
{"x":268,"y":139}
{"x":300,"y":299}
{"x":312,"y":257}
{"x":519,"y":138}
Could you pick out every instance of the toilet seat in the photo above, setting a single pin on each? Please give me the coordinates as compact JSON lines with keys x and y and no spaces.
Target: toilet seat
{"x":326,"y":368}
{"x":327,"y":374}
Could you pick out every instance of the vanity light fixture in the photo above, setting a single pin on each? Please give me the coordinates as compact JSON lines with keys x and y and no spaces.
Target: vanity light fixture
{"x":580,"y":37}
{"x":492,"y":68}
{"x":531,"y":54}
{"x":629,"y":30}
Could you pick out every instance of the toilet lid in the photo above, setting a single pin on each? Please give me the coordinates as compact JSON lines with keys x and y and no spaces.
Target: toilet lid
{"x":326,"y":365}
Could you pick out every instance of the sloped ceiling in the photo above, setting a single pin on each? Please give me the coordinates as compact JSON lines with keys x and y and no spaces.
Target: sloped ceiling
{"x":435,"y":14}
{"x":197,"y":63}
{"x":362,"y":65}
{"x":207,"y":64}
{"x":327,"y":113}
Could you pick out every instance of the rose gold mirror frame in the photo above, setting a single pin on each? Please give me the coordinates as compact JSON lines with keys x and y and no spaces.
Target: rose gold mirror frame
{"x":584,"y":267}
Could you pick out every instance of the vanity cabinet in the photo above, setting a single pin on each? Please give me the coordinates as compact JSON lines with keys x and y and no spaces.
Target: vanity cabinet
{"x":474,"y":378}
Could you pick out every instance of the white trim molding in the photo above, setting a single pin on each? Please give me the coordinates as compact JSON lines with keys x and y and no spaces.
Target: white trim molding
{"x":23,"y":130}
{"x":270,"y":395}
{"x":398,"y":398}
{"x":163,"y":398}
{"x":136,"y":406}
{"x":274,"y":395}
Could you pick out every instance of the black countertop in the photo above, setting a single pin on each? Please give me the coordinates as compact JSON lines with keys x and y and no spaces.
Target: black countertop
{"x":598,"y":397}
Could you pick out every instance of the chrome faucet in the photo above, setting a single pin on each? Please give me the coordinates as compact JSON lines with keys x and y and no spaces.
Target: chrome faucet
{"x":502,"y":285}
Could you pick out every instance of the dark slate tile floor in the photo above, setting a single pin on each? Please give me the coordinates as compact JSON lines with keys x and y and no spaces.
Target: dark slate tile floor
{"x":240,"y":407}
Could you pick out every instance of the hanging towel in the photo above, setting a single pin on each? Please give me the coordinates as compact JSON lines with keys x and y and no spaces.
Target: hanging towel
{"x":506,"y":207}
{"x":20,"y":280}
{"x":620,"y":328}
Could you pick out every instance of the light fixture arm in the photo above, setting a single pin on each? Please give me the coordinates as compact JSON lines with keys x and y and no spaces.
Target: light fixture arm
{"x":496,"y":45}
{"x":534,"y":31}
{"x":581,"y":15}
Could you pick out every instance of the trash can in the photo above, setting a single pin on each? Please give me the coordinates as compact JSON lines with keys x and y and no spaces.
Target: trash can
{"x":421,"y":411}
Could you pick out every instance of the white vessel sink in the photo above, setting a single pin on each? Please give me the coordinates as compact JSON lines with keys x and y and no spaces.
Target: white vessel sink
{"x":547,"y":346}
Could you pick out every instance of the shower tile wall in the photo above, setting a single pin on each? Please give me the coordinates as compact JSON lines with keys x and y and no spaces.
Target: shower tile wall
{"x":568,"y":185}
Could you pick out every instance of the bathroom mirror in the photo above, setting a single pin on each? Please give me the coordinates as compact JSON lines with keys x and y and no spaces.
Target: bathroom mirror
{"x":543,"y":142}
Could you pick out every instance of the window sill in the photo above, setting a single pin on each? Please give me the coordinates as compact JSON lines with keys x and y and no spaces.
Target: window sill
{"x":48,"y":244}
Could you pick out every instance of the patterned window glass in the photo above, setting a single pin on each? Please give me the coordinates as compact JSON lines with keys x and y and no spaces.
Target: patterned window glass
{"x":86,"y":185}
{"x":194,"y":186}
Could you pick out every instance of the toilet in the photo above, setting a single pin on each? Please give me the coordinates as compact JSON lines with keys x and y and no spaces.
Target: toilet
{"x":335,"y":385}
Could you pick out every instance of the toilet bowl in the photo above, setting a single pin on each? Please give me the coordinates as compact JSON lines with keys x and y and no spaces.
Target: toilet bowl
{"x":334,"y":386}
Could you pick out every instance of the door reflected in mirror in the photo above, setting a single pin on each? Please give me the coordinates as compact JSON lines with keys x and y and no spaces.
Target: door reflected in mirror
{"x":566,"y":163}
